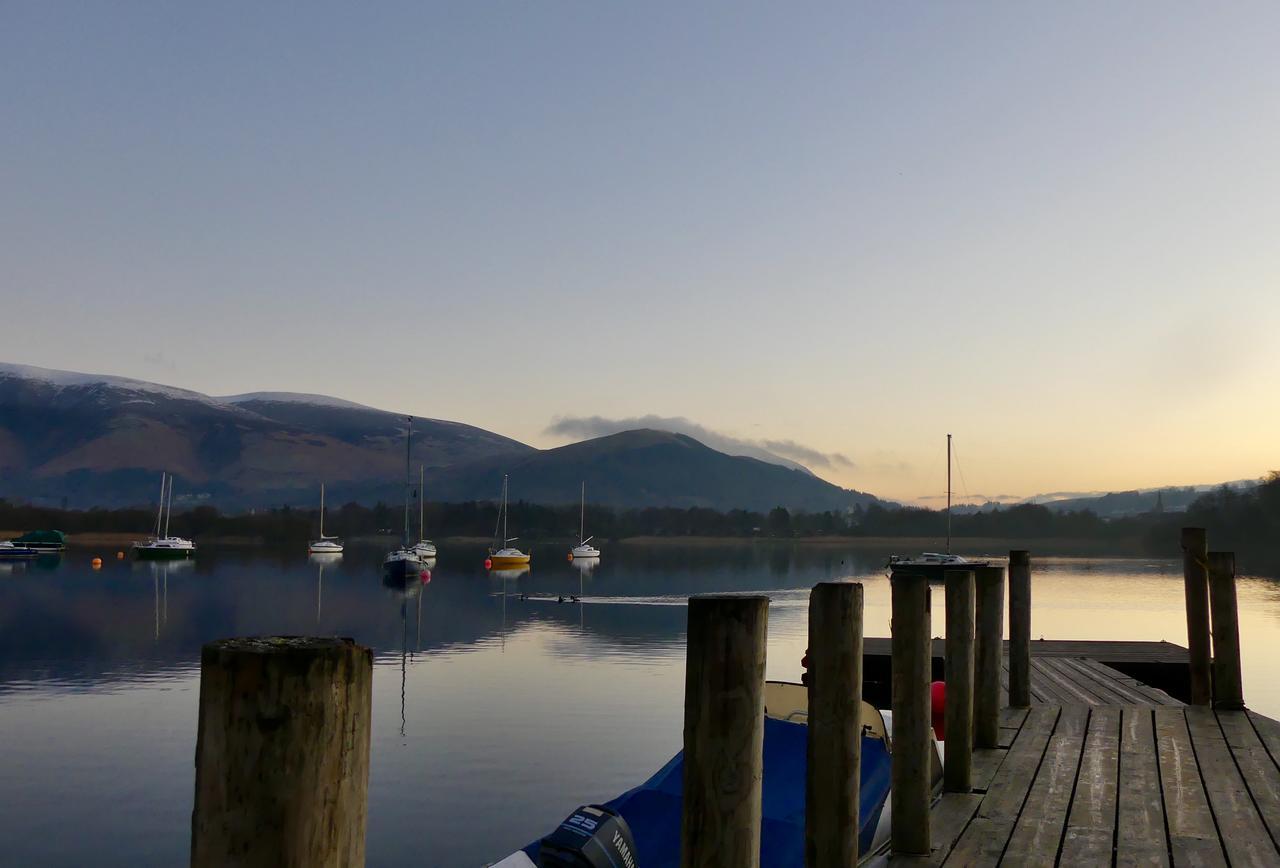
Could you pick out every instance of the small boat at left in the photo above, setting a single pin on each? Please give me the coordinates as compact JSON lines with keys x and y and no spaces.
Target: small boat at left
{"x":11,"y":552}
{"x":164,"y":547}
{"x":403,"y":563}
{"x":325,"y":545}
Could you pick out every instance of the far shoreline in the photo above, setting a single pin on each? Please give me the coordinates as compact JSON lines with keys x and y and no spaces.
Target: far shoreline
{"x":967,"y":546}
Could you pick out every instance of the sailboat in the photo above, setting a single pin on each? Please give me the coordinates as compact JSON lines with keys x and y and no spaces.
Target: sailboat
{"x":403,"y":562}
{"x":164,"y":547}
{"x":933,"y":565}
{"x":425,"y":548}
{"x":326,"y":545}
{"x":583,"y":549}
{"x":502,"y":553}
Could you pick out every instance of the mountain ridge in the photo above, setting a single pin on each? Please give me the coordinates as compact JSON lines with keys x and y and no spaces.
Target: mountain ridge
{"x":100,"y":440}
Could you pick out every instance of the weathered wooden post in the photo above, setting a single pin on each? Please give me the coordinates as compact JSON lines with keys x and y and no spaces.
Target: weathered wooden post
{"x":958,"y":719}
{"x":988,"y":651}
{"x":282,"y":753}
{"x":1195,"y":584}
{"x":834,"y":764}
{"x":912,"y":653}
{"x":1228,"y":682}
{"x":724,"y":731}
{"x":1019,"y":628}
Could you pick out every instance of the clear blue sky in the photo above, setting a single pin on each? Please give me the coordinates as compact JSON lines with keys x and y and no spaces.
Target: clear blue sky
{"x":1051,"y":229}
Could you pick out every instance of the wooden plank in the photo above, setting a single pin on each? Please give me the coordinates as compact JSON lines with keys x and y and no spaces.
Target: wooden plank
{"x":1038,"y":831}
{"x":1193,"y":836}
{"x":1154,"y":695}
{"x":1241,"y":830}
{"x":982,"y":842}
{"x":1012,"y":782}
{"x":950,"y":817}
{"x":1140,"y":829}
{"x":986,"y":762}
{"x":1065,"y":691}
{"x":1256,"y":766}
{"x":1115,"y":691}
{"x":1121,"y":651}
{"x":1268,"y":731}
{"x":1091,"y":823}
{"x":1099,"y":688}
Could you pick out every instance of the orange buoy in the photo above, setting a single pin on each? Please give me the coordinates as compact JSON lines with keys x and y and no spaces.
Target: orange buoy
{"x":97,"y":563}
{"x":570,"y":557}
{"x":119,"y":556}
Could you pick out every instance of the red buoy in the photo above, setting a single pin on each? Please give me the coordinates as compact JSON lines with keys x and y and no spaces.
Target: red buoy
{"x":488,"y":564}
{"x":425,"y":575}
{"x":938,"y":709}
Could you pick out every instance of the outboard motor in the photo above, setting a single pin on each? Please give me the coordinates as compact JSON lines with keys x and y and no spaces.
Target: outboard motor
{"x":591,"y":837}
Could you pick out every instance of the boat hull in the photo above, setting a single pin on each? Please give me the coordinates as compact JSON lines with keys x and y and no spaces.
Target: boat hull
{"x":19,"y":554}
{"x":933,"y":572}
{"x":324,"y":549}
{"x":503,"y":561}
{"x":150,"y":554}
{"x":402,"y":568}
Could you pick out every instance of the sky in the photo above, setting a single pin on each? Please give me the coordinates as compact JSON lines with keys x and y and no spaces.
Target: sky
{"x":1049,"y":229}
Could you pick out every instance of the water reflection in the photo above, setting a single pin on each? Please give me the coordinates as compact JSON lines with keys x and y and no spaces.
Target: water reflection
{"x":522,"y":704}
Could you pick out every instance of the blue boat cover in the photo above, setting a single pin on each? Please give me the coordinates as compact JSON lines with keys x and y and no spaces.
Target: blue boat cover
{"x":652,"y":810}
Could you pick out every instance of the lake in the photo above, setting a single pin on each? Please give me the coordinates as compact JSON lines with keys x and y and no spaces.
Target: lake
{"x":493,"y":717}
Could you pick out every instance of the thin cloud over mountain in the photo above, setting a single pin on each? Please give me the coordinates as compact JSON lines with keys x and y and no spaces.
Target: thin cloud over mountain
{"x":787,"y":453}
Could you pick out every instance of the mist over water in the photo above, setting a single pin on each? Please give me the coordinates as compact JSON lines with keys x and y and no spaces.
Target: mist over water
{"x":493,"y":716}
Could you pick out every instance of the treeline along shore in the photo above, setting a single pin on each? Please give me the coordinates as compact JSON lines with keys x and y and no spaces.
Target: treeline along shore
{"x":1247,"y":522}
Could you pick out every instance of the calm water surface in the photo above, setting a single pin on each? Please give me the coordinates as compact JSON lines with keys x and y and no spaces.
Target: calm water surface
{"x":492,"y":716}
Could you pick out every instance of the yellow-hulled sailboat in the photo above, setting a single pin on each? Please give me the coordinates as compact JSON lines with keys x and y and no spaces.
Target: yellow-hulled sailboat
{"x":503,"y":555}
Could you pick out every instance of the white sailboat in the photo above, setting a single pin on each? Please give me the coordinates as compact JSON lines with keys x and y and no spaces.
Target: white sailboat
{"x":502,"y":554}
{"x":425,"y":548}
{"x":583,"y":550}
{"x":164,"y":547}
{"x":403,"y":562}
{"x":325,"y":545}
{"x":934,"y":564}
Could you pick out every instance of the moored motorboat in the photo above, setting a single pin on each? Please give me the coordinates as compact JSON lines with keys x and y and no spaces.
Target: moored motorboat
{"x":43,"y":541}
{"x":11,"y":552}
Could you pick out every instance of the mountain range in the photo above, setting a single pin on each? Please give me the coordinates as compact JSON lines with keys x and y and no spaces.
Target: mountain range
{"x":101,"y":441}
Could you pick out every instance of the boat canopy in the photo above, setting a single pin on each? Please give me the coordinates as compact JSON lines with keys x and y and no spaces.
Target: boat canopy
{"x":653,"y":809}
{"x":48,"y":537}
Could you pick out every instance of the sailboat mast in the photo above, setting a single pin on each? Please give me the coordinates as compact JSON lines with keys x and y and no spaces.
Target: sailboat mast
{"x":160,"y":511}
{"x":322,"y":510}
{"x":408,"y":447}
{"x":948,"y":494}
{"x":582,"y":515}
{"x":422,"y":502}
{"x":168,"y":513}
{"x":504,"y":512}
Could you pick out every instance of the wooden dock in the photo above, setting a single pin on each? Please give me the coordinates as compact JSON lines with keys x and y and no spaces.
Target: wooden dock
{"x":1105,"y":770}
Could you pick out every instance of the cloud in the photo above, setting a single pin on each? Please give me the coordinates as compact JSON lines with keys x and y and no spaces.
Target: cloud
{"x":805,"y":454}
{"x":787,"y":453}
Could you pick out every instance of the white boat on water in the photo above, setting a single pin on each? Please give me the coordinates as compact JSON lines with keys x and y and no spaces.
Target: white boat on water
{"x":583,"y":550}
{"x":325,"y":545}
{"x":933,"y":565}
{"x":424,"y":547}
{"x":502,"y":554}
{"x":164,"y":547}
{"x":11,"y":552}
{"x":403,"y":562}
